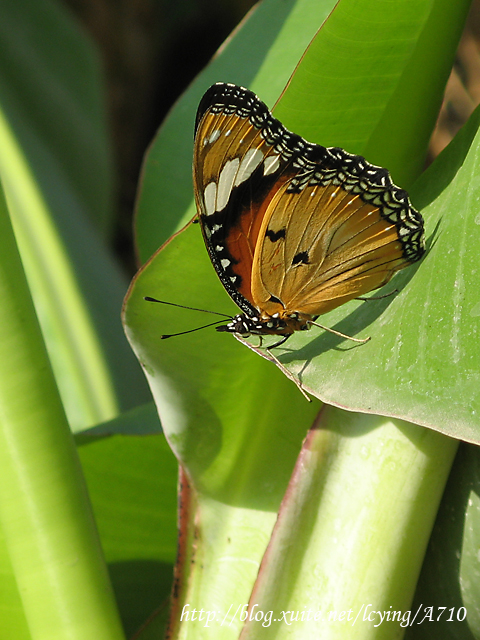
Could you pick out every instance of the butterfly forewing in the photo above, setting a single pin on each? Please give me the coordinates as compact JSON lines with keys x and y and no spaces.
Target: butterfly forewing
{"x":234,"y":171}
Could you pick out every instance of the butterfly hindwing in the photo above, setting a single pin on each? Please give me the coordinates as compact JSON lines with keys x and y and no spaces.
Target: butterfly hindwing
{"x":334,"y":247}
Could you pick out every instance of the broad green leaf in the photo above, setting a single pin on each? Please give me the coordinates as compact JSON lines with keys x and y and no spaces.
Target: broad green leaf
{"x":132,"y":482}
{"x":401,"y":352}
{"x":55,"y":165}
{"x":44,"y":509}
{"x":376,"y":73}
{"x":449,"y":581}
{"x":261,"y":55}
{"x":328,"y":366}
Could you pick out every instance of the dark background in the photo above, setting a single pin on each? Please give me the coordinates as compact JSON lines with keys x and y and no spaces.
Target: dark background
{"x":152,"y":49}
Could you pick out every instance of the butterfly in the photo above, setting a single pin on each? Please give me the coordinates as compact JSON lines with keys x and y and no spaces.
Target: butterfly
{"x":293,"y":229}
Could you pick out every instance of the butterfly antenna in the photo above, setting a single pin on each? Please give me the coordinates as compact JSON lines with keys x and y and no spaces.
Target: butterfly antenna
{"x":181,"y":333}
{"x":181,"y":306}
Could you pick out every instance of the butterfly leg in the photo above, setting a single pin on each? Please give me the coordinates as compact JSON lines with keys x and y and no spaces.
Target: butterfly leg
{"x":338,"y":333}
{"x":280,"y":342}
{"x":286,"y":372}
{"x":284,"y":369}
{"x":268,"y":355}
{"x":385,"y":295}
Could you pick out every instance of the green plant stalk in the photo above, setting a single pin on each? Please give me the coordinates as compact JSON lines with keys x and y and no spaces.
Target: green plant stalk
{"x":349,"y":540}
{"x":352,"y":530}
{"x":224,"y":549}
{"x":44,"y":507}
{"x":81,"y":370}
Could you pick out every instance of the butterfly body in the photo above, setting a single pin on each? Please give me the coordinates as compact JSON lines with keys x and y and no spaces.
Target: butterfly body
{"x":292,"y":228}
{"x":264,"y":325}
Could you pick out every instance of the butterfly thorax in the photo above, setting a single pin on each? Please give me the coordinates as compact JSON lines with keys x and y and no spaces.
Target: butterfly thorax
{"x":283,"y":324}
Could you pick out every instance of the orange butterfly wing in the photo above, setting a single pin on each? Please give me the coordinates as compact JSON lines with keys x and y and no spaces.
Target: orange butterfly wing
{"x":290,"y":225}
{"x":235,"y":174}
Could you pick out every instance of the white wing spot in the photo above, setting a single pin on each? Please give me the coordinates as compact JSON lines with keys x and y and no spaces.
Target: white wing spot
{"x":210,"y":197}
{"x":216,"y":227}
{"x":214,"y":136}
{"x":271,"y":164}
{"x":224,"y":263}
{"x":219,"y":248}
{"x":249,"y":163}
{"x":225,"y":183}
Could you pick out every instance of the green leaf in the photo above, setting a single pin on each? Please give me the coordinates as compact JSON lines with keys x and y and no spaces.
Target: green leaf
{"x":376,"y":73}
{"x":44,"y":510}
{"x":135,"y":504}
{"x":398,"y":361}
{"x":55,"y":165}
{"x":262,"y":55}
{"x":449,"y":579}
{"x":132,"y":482}
{"x":329,"y":366}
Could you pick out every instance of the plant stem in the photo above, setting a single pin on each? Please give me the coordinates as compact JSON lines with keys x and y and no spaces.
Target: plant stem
{"x":44,"y":507}
{"x":352,"y":530}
